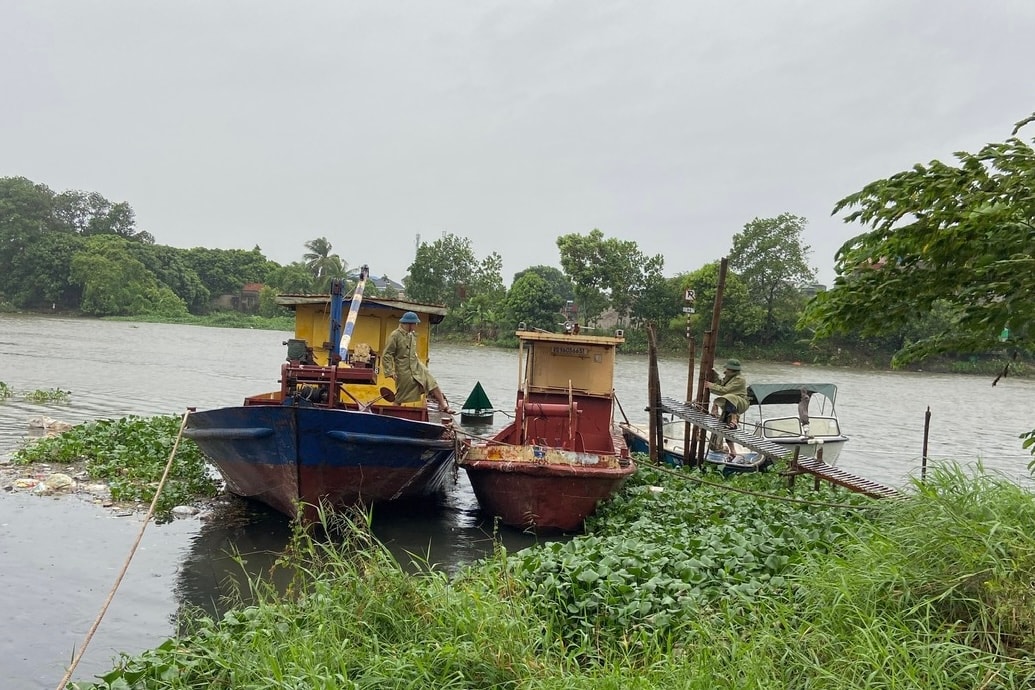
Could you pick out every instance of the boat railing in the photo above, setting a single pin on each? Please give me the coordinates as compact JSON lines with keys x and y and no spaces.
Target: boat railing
{"x":791,"y":427}
{"x":320,"y":384}
{"x":558,"y":421}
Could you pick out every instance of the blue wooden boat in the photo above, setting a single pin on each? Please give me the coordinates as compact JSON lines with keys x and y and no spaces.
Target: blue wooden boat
{"x":331,"y":435}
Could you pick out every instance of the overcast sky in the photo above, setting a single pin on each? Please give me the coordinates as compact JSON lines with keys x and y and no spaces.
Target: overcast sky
{"x":235,"y":124}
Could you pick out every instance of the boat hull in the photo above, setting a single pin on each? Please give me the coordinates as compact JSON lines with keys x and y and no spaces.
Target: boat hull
{"x":542,"y":496}
{"x":672,"y":454}
{"x":541,"y":487}
{"x":287,"y":456}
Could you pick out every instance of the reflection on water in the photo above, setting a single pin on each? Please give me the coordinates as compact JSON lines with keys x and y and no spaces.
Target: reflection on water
{"x":243,"y":539}
{"x":115,"y":369}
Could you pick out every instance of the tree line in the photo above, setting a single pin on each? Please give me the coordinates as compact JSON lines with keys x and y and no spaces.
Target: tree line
{"x":78,"y":251}
{"x":944,"y":268}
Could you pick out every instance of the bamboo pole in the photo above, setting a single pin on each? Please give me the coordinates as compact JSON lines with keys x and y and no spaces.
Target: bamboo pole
{"x":688,"y":428}
{"x":927,"y":432}
{"x":700,"y":435}
{"x":654,"y":404}
{"x":712,"y":335}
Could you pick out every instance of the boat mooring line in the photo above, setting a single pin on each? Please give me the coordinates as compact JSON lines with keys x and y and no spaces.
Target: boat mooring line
{"x":132,"y":552}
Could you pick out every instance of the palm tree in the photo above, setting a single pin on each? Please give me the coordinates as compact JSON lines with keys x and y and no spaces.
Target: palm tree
{"x":321,"y":263}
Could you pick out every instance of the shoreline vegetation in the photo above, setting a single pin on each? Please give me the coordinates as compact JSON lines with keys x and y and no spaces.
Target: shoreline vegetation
{"x":682,"y":580}
{"x":988,"y":364}
{"x":678,"y":582}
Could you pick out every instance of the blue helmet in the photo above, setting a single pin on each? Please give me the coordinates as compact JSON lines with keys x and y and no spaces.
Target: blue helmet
{"x":409,"y":317}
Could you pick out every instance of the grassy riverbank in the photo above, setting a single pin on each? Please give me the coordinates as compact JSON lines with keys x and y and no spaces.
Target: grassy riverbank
{"x":675,"y":585}
{"x":219,"y":319}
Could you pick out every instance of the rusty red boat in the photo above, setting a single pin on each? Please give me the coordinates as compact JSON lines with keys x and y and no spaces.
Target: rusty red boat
{"x":562,"y":454}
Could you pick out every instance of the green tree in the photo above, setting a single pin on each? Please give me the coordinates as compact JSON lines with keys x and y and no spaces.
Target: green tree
{"x":772,"y":259}
{"x":962,"y":236}
{"x":554,"y":277}
{"x":38,"y":276}
{"x":268,"y":306}
{"x":295,"y":278}
{"x":323,"y":264}
{"x":172,"y":269}
{"x":660,"y":301}
{"x":442,"y":271}
{"x":531,"y":300}
{"x":487,"y":278}
{"x":225,"y":271}
{"x":114,"y":283}
{"x":26,"y":213}
{"x":582,"y":258}
{"x":479,"y":311}
{"x":89,"y":213}
{"x":742,"y":318}
{"x":606,"y":272}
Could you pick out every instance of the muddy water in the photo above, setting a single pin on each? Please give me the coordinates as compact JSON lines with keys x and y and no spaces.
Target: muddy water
{"x":59,"y":557}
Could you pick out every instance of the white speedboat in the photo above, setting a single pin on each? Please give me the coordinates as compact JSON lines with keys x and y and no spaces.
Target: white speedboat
{"x":794,"y":415}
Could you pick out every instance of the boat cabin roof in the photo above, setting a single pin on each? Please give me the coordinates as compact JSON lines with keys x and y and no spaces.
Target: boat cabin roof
{"x":560,"y":362}
{"x":787,"y":393}
{"x":547,"y":337}
{"x":434,"y":312}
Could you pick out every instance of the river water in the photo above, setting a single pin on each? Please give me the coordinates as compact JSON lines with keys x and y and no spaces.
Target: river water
{"x":60,"y":557}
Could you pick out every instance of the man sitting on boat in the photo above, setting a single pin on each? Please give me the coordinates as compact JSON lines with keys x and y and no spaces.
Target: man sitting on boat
{"x":731,"y":399}
{"x":400,"y":362}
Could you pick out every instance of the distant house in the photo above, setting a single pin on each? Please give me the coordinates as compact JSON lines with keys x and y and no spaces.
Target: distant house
{"x":383,"y":284}
{"x":247,"y":300}
{"x":813,"y":289}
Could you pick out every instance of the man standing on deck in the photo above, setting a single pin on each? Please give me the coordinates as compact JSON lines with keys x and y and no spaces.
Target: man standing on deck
{"x":400,"y":362}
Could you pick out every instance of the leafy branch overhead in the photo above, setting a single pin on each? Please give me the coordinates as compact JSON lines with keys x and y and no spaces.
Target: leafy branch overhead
{"x":962,"y":236}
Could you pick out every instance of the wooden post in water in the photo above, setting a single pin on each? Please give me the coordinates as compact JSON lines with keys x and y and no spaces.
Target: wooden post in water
{"x":711,"y":337}
{"x":698,"y":435}
{"x":688,"y":428}
{"x":793,"y":470}
{"x":927,"y":431}
{"x":656,"y":444}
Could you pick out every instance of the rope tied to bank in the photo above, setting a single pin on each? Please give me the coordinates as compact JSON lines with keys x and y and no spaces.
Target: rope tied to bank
{"x":129,"y":558}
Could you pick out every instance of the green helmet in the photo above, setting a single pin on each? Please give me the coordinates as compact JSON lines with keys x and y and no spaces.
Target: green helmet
{"x":409,"y":317}
{"x":733,"y":364}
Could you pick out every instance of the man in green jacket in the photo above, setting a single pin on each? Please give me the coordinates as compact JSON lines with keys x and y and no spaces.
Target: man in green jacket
{"x":731,"y":398}
{"x":400,"y":362}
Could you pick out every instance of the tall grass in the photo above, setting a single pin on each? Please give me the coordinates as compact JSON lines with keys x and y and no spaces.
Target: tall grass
{"x":689,"y":587}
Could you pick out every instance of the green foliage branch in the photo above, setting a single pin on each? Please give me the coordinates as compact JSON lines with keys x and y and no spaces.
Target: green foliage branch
{"x":961,"y":235}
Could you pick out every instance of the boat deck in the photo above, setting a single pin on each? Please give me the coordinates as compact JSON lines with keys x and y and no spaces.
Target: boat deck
{"x":774,"y":451}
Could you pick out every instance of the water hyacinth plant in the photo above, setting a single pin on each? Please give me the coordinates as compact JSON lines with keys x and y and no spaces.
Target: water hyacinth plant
{"x":131,"y":454}
{"x":47,"y":395}
{"x":656,"y":560}
{"x":668,"y":589}
{"x":40,"y":395}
